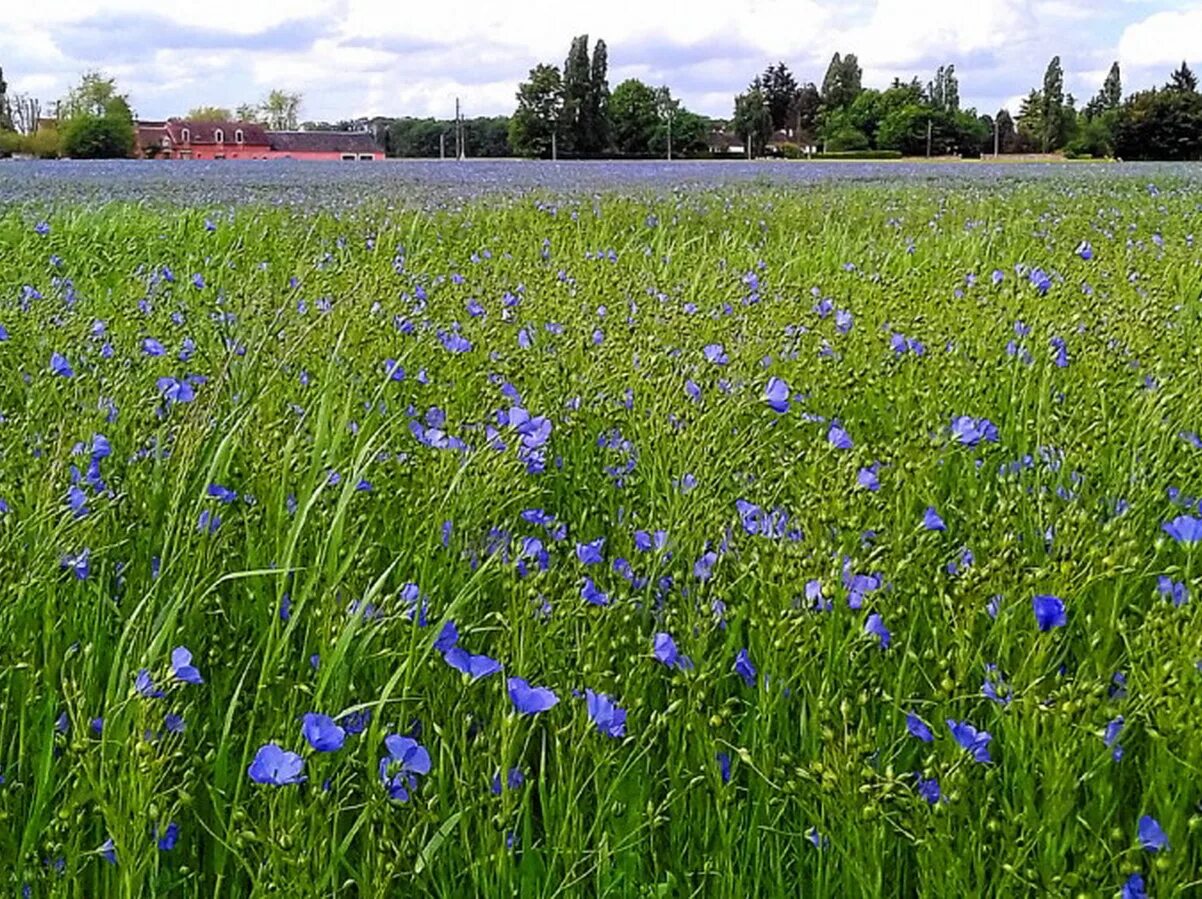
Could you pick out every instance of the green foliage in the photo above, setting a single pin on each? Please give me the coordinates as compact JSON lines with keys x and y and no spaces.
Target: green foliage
{"x":97,"y":137}
{"x":1160,"y":124}
{"x":634,"y":116}
{"x":781,"y":90}
{"x":108,"y":136}
{"x":842,"y":83}
{"x":690,"y":134}
{"x":845,"y":138}
{"x":540,"y":112}
{"x":859,"y":154}
{"x":1184,"y":80}
{"x":821,"y":799}
{"x":752,"y":120}
{"x":1095,"y":137}
{"x":91,"y":97}
{"x":1053,"y":120}
{"x":423,"y":138}
{"x":6,"y":116}
{"x":210,"y":114}
{"x":944,"y":92}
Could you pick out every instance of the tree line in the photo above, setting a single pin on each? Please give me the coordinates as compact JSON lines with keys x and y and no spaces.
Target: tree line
{"x":570,"y":112}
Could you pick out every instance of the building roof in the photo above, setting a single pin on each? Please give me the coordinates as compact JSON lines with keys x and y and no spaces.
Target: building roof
{"x":206,"y":132}
{"x":322,"y":142}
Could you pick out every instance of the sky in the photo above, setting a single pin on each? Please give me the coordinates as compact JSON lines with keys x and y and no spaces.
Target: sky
{"x":351,"y":58}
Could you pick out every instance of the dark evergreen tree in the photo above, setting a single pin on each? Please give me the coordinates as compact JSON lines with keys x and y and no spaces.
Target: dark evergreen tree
{"x":1052,"y":107}
{"x":1007,"y":136}
{"x":780,"y":87}
{"x":599,"y":138}
{"x":577,"y":85}
{"x":1184,"y":80}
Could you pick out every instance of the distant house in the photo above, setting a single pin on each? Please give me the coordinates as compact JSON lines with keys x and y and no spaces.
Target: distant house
{"x":722,"y":143}
{"x":348,"y":146}
{"x":186,"y":139}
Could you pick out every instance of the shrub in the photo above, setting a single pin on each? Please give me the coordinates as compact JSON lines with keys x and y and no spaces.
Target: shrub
{"x":98,"y":137}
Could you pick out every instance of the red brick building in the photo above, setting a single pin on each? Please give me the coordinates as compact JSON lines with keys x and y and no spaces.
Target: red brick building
{"x":184,"y":139}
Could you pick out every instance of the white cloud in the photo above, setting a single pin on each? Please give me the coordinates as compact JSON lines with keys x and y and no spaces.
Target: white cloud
{"x":1164,"y":38}
{"x":353,"y":57}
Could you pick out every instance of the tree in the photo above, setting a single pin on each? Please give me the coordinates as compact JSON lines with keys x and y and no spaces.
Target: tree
{"x":1111,"y":94}
{"x":599,"y":98}
{"x":26,"y":112}
{"x":90,"y":97}
{"x":1052,"y":107}
{"x":843,"y":82}
{"x":248,"y":112}
{"x":752,"y":118}
{"x":539,"y":115}
{"x":577,"y":84}
{"x":209,"y":114}
{"x":666,"y":108}
{"x":944,"y":91}
{"x":108,"y":136}
{"x":780,"y":87}
{"x":690,"y":133}
{"x":6,"y":116}
{"x":280,"y":110}
{"x":806,"y":114}
{"x":1030,"y":123}
{"x":1007,"y":136}
{"x":1160,"y":124}
{"x":635,"y":115}
{"x":1184,"y":80}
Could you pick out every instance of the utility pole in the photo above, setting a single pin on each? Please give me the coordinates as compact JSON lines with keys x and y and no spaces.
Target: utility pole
{"x":996,"y":141}
{"x":928,"y":138}
{"x":442,"y":145}
{"x":669,"y":135}
{"x":458,"y":133}
{"x":554,"y":151}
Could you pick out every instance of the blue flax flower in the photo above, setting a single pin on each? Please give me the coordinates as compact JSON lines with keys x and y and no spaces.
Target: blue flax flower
{"x":666,"y":652}
{"x":276,"y":766}
{"x":875,"y":625}
{"x":918,"y":728}
{"x":169,"y":838}
{"x":475,"y":666}
{"x":838,"y":437}
{"x":973,"y":740}
{"x":744,"y":668}
{"x":182,"y":667}
{"x":399,"y":770}
{"x":60,"y":366}
{"x":928,"y":789}
{"x":1151,"y":836}
{"x":530,"y":700}
{"x":777,"y":395}
{"x":1049,"y":612}
{"x":322,"y":732}
{"x":1133,"y":887}
{"x":1184,"y":529}
{"x":610,"y":720}
{"x":931,"y":520}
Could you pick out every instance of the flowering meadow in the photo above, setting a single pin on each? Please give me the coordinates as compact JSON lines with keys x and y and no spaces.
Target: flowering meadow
{"x":763,"y":540}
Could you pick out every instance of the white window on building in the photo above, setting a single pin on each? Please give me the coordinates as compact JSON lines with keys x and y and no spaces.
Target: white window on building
{"x":239,"y":137}
{"x":219,"y":136}
{"x":185,"y":136}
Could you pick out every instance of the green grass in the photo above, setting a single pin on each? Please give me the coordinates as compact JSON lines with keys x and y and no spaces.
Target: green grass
{"x":819,"y":742}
